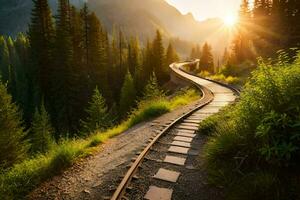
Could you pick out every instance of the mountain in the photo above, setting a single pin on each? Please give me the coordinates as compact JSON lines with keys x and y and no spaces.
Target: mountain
{"x":135,"y":17}
{"x":144,"y":17}
{"x":15,"y":15}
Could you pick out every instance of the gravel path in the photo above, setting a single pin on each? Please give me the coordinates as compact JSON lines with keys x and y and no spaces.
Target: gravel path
{"x":97,"y":176}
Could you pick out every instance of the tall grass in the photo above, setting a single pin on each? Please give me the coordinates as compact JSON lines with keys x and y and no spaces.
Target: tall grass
{"x":16,"y":182}
{"x":254,"y":148}
{"x":228,"y":79}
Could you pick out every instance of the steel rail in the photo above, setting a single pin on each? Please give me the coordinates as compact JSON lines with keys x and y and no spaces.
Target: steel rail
{"x":207,"y":97}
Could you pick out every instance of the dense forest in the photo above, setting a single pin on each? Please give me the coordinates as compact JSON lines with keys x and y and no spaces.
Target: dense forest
{"x":67,"y":68}
{"x":265,"y":28}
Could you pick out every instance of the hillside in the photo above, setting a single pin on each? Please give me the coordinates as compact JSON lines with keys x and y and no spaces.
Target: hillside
{"x":142,"y":19}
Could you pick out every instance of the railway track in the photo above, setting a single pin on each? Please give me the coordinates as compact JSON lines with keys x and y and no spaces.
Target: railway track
{"x":156,"y":171}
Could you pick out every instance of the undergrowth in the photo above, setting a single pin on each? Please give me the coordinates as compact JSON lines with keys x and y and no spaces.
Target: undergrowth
{"x":18,"y":181}
{"x":253,"y":150}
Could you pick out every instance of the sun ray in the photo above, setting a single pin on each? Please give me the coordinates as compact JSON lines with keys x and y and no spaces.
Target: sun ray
{"x":230,"y":20}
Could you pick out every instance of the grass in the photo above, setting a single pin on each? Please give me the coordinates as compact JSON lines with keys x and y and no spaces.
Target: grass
{"x":254,"y":147}
{"x":18,"y":181}
{"x":231,"y":80}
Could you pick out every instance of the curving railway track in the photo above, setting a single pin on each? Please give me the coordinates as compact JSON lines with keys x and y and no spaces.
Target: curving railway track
{"x":164,"y":166}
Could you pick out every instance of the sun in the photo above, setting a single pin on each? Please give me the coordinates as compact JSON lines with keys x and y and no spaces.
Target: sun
{"x":230,"y":20}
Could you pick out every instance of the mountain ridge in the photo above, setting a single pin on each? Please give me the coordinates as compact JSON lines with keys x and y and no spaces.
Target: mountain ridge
{"x":135,"y":17}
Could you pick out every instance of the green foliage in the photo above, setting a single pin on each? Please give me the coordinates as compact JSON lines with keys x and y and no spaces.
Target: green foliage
{"x":232,"y":80}
{"x":183,"y":97}
{"x":260,"y":133}
{"x":4,"y":60}
{"x":153,"y":107}
{"x":41,"y":131}
{"x":152,"y":89}
{"x":147,"y":110}
{"x":171,"y":55}
{"x":210,"y":124}
{"x":128,"y":95}
{"x":22,"y":178}
{"x":158,"y":52}
{"x":13,"y":147}
{"x":207,"y":60}
{"x":98,"y":116}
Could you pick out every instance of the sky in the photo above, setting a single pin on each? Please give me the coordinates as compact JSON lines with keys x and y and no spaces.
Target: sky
{"x":203,"y":9}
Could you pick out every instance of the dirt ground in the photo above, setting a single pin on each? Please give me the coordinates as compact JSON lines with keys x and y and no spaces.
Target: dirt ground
{"x":97,"y":176}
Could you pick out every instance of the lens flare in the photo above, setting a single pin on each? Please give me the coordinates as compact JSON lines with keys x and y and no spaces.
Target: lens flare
{"x":230,"y":20}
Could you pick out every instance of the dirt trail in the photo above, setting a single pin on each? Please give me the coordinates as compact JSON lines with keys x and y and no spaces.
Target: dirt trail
{"x":95,"y":176}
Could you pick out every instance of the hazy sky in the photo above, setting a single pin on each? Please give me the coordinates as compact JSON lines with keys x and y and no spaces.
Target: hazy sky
{"x":202,"y":9}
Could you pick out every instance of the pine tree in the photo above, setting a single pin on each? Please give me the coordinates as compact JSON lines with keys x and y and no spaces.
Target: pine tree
{"x":84,"y":13}
{"x":13,"y":147}
{"x":13,"y":69}
{"x":152,"y":89}
{"x":41,"y":131}
{"x":161,"y":71}
{"x":171,"y":55}
{"x":22,"y":75}
{"x":133,"y":57}
{"x":128,"y":95}
{"x":207,"y":60}
{"x":4,"y":60}
{"x":226,"y":56}
{"x":118,"y":53}
{"x":147,"y":69}
{"x":41,"y":39}
{"x":98,"y":115}
{"x":193,"y":53}
{"x":64,"y":79}
{"x":196,"y":52}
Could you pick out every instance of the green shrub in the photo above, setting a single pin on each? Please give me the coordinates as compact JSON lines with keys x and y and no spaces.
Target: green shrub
{"x":17,"y":181}
{"x":261,"y":134}
{"x":210,"y":124}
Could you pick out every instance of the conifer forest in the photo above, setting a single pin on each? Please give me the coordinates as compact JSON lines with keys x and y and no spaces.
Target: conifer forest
{"x":84,"y":85}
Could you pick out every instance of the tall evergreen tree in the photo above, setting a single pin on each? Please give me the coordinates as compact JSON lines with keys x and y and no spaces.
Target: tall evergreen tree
{"x":147,"y":69}
{"x":171,"y":55}
{"x":128,"y":95}
{"x":22,"y":74}
{"x":226,"y":56}
{"x":41,"y":38}
{"x":152,"y":89}
{"x":64,"y":78}
{"x":41,"y":131}
{"x":84,"y":12}
{"x":133,"y":57}
{"x":196,"y":52}
{"x":159,"y":59}
{"x":207,"y":60}
{"x":4,"y":60}
{"x":98,"y":115}
{"x":14,"y":67}
{"x":13,"y":147}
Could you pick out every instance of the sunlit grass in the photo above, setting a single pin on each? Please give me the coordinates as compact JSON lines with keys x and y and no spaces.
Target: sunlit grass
{"x":24,"y":177}
{"x":232,"y":80}
{"x":253,"y":148}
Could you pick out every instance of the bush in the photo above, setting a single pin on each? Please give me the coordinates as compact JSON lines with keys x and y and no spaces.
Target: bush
{"x":210,"y":124}
{"x":261,"y":134}
{"x":17,"y":181}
